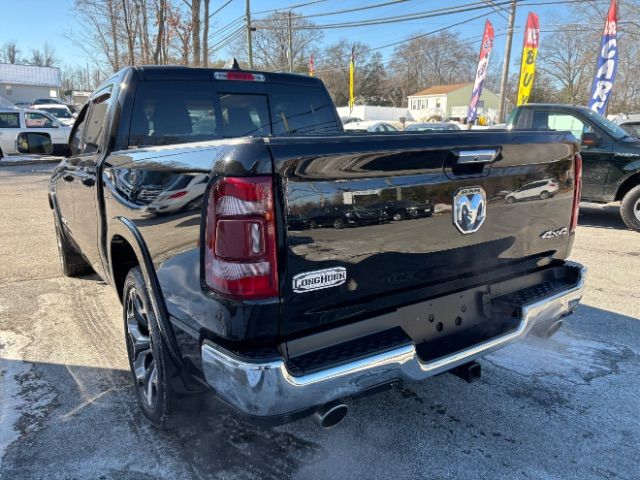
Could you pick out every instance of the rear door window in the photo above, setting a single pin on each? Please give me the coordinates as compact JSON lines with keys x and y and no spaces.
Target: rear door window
{"x":9,"y":120}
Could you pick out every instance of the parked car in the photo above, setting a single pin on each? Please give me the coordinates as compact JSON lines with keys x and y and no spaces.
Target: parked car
{"x":54,"y":101}
{"x":431,"y":126}
{"x":542,"y":189}
{"x":184,"y":191}
{"x":297,"y":222}
{"x":60,"y":112}
{"x":610,"y":155}
{"x":13,"y":121}
{"x":369,"y":126}
{"x":346,"y":120}
{"x":341,"y":216}
{"x":283,"y":324}
{"x":404,"y":209}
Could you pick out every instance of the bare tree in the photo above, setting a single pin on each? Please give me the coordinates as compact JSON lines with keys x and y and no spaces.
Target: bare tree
{"x":45,"y":57}
{"x":10,"y":53}
{"x":195,"y":30}
{"x":433,"y":60}
{"x":271,"y":42}
{"x":205,"y":35}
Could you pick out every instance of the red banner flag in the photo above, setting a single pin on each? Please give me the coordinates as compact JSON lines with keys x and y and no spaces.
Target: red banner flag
{"x":483,"y":63}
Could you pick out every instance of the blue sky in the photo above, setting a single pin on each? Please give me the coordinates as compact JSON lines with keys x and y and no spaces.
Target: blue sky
{"x":32,"y":22}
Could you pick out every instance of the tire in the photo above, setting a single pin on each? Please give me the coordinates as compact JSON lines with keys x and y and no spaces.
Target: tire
{"x":313,"y":224}
{"x":71,"y":262}
{"x":338,"y":223}
{"x":630,"y":208}
{"x":511,"y":200}
{"x":398,"y":216}
{"x":149,"y":361}
{"x":544,"y":195}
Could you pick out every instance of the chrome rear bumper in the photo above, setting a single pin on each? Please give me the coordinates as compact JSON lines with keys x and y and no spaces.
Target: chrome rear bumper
{"x":270,"y":389}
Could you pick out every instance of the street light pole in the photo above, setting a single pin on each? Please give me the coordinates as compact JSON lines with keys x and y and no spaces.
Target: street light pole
{"x":290,"y":45}
{"x":249,"y":44}
{"x":505,"y":65}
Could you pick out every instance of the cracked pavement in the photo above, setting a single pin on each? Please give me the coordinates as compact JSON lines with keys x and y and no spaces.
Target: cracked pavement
{"x":564,"y":408}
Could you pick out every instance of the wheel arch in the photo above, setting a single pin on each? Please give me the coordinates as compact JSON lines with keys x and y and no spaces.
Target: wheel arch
{"x":127,"y":249}
{"x":627,"y":185}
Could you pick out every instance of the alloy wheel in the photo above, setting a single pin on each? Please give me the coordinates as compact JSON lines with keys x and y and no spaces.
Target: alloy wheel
{"x":140,"y":344}
{"x":636,"y":209}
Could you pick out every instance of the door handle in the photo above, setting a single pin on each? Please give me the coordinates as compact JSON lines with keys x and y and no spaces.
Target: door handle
{"x":67,"y":177}
{"x":465,"y":157}
{"x":89,"y":182}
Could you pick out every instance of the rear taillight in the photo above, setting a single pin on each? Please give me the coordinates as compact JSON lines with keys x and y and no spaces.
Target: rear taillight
{"x":240,"y":239}
{"x":577,"y":177}
{"x":178,"y":194}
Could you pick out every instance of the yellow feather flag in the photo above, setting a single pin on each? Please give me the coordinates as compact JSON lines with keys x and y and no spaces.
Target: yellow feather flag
{"x":529,"y":54}
{"x":352,"y":73}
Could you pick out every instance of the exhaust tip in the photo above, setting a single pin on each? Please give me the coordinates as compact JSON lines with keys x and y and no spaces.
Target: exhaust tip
{"x":549,"y":329}
{"x":553,"y":328}
{"x":331,"y":414}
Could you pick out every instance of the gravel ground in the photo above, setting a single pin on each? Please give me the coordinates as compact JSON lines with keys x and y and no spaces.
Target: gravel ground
{"x":565,"y":408}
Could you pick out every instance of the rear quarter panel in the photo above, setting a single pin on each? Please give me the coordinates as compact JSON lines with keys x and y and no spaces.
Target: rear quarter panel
{"x":133,"y":179}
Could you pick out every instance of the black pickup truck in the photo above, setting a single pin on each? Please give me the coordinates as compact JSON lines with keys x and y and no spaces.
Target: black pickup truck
{"x":610,"y":155}
{"x":219,"y":293}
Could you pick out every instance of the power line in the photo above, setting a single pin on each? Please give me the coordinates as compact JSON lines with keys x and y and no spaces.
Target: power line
{"x":220,"y":8}
{"x":290,"y":7}
{"x":228,"y":26}
{"x":400,"y":18}
{"x":412,"y":16}
{"x":339,"y":12}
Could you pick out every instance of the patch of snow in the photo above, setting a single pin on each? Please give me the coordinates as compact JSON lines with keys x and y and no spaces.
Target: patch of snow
{"x":24,"y":397}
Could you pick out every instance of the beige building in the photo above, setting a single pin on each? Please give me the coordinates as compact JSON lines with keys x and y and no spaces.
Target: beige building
{"x":450,"y":101}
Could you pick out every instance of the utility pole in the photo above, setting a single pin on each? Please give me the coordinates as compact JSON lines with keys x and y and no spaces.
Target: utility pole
{"x":249,"y":45}
{"x":505,"y":65}
{"x":290,"y":45}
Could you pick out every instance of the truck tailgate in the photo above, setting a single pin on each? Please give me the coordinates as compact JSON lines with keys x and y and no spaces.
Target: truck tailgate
{"x":376,"y":219}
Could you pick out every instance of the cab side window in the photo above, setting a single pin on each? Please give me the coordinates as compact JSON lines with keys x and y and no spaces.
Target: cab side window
{"x":562,"y":121}
{"x":76,"y":145}
{"x":96,"y":123}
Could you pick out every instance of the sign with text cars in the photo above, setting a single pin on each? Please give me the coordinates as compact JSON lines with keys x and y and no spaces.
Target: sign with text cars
{"x":529,"y":54}
{"x":483,"y":63}
{"x":607,"y":63}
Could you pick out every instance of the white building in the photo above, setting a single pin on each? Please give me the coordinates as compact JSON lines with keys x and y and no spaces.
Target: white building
{"x":25,"y":83}
{"x":372,"y":112}
{"x":443,"y":102}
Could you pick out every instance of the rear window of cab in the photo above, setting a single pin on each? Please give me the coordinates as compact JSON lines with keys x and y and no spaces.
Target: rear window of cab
{"x":172,"y":112}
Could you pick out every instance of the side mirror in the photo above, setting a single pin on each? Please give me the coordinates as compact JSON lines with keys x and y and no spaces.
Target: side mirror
{"x":34,"y":142}
{"x":591,"y":139}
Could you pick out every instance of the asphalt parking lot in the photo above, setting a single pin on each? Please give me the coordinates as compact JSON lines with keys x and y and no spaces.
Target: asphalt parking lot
{"x":565,"y":408}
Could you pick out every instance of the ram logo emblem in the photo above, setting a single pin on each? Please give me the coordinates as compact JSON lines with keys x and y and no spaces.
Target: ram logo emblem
{"x":469,"y":209}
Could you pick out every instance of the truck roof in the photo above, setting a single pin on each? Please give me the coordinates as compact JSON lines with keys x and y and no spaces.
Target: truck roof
{"x":554,"y":105}
{"x":179,"y":72}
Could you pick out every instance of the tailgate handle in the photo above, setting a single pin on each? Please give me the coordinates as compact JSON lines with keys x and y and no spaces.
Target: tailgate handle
{"x":476,"y":156}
